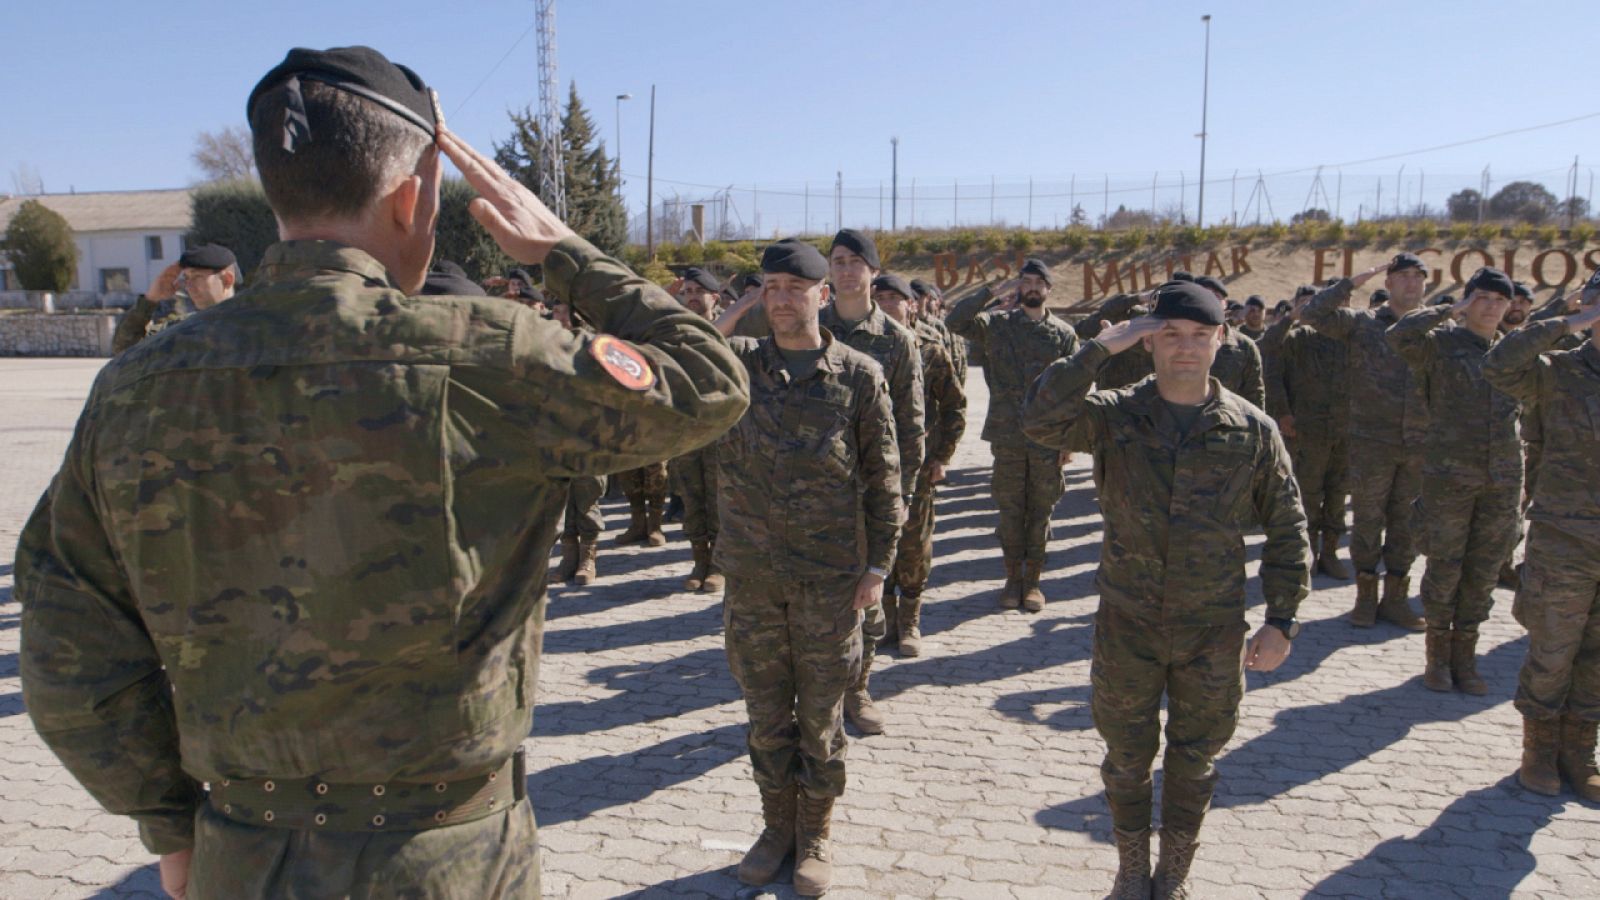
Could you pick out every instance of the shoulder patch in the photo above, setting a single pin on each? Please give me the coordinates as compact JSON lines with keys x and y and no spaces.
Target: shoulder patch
{"x":622,"y":361}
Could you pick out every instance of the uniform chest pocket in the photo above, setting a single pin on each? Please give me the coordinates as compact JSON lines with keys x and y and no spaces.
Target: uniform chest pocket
{"x":826,"y":441}
{"x":1221,"y":471}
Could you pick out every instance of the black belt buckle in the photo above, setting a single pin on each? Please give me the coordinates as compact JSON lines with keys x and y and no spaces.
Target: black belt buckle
{"x":519,"y":773}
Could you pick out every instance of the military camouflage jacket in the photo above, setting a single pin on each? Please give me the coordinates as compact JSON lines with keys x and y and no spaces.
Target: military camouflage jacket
{"x":944,"y":398}
{"x":894,"y":347}
{"x":131,"y":327}
{"x":1238,"y":367}
{"x":1309,"y":378}
{"x":954,"y":345}
{"x":1564,"y":389}
{"x":1015,"y":350}
{"x":1474,"y":427}
{"x":305,"y":532}
{"x":1177,"y":505}
{"x":809,"y":478}
{"x":1253,"y":334}
{"x":1386,"y":401}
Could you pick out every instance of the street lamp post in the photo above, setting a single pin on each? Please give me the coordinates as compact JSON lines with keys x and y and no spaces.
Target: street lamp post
{"x":620,"y":98}
{"x":894,"y":182}
{"x":1205,"y":96}
{"x":650,"y":185}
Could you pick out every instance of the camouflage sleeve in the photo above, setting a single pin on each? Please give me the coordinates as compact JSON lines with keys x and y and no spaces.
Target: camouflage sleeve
{"x":966,"y":319}
{"x":1285,"y":556}
{"x":1412,"y":337}
{"x":91,"y":678}
{"x":590,"y":406}
{"x":1275,"y":357}
{"x":1516,"y":366}
{"x":950,"y":402}
{"x":130,"y":329}
{"x":1113,"y":310}
{"x":1060,"y":412}
{"x":1253,"y":386}
{"x":1327,"y":312}
{"x":905,"y":388}
{"x":880,"y":475}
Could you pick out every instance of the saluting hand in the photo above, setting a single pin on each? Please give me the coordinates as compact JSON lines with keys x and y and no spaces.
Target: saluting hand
{"x":515,"y":217}
{"x":165,"y":287}
{"x":1128,"y":332}
{"x":1585,"y":318}
{"x":1361,"y":278}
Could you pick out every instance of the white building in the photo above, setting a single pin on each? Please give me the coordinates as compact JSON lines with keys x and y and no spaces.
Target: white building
{"x":125,"y":238}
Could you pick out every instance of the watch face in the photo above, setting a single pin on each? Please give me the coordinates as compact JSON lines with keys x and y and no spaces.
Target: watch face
{"x":1294,"y":630}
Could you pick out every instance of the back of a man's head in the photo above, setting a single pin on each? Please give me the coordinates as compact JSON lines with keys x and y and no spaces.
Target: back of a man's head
{"x":356,"y":151}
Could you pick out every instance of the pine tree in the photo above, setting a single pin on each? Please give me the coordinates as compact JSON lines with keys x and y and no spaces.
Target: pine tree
{"x":594,"y":208}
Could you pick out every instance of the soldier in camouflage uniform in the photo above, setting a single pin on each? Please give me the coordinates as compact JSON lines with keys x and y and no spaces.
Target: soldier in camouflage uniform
{"x":696,"y":472}
{"x":1237,"y":366}
{"x":1558,"y":690}
{"x":1388,"y":425}
{"x":646,"y":490}
{"x":810,"y":502}
{"x":927,"y":302}
{"x":1255,"y":318}
{"x":310,"y":526}
{"x":945,"y":408}
{"x":201,"y":278}
{"x":1017,"y":345}
{"x":1308,"y":393}
{"x":583,"y":521}
{"x":858,"y":323}
{"x":1184,"y":469}
{"x":1471,"y":473}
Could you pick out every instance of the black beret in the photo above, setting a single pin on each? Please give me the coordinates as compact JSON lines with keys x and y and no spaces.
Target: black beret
{"x":362,"y":71}
{"x":1283,"y":306}
{"x":703,"y":278}
{"x":1492,"y":280}
{"x":1304,"y":290}
{"x":894,"y":283}
{"x":453,"y":284}
{"x":1187,"y":300}
{"x":923,"y":288}
{"x":207,"y":256}
{"x":794,"y":257}
{"x":1522,"y":289}
{"x":1379,"y":296}
{"x":1037,"y":267}
{"x":448,"y":267}
{"x":1182,"y":275}
{"x":1256,"y":300}
{"x":1443,"y":300}
{"x":1211,"y":284}
{"x":1231,"y":305}
{"x":1403,"y":261}
{"x":753,"y":280}
{"x":858,"y":242}
{"x":521,"y":276}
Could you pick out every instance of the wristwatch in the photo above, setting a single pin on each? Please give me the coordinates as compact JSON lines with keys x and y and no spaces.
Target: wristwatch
{"x":1289,"y":627}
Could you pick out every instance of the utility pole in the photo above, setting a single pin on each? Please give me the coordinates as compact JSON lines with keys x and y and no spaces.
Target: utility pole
{"x":894,"y":183}
{"x":1205,"y":98}
{"x":650,"y":185}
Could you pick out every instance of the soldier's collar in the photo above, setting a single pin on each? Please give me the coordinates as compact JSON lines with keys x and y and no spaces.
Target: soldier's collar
{"x":830,"y":361}
{"x":1218,"y":410}
{"x":288,"y":260}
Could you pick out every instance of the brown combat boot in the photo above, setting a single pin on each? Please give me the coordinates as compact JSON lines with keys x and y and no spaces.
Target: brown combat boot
{"x":1365,"y":615}
{"x":1395,"y":607}
{"x":910,"y":624}
{"x":715,"y":581}
{"x":587,"y":551}
{"x":858,"y":705}
{"x":1011,"y":593}
{"x":1328,"y":561}
{"x":1172,"y":872}
{"x":1540,"y":738}
{"x":1464,"y":663}
{"x":1576,"y":757}
{"x":653,"y":536}
{"x":702,"y":565}
{"x":813,"y":868}
{"x":637,"y":527}
{"x":1133,"y":865}
{"x":764,"y":858}
{"x":569,"y":560}
{"x":1436,"y":675}
{"x":1032,"y":597}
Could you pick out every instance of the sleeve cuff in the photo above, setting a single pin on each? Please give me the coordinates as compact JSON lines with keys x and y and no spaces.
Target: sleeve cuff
{"x":568,"y":258}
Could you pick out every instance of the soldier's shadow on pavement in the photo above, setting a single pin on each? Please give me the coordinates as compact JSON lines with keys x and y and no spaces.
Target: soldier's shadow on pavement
{"x":1054,"y":641}
{"x":634,"y":633}
{"x":1456,"y":850}
{"x":648,"y":692}
{"x":145,"y":881}
{"x":11,"y":705}
{"x":576,"y":790}
{"x":617,"y":585}
{"x":1320,"y":640}
{"x":720,"y":883}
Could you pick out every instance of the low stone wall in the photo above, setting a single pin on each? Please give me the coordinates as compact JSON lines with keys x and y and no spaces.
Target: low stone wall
{"x":56,"y":334}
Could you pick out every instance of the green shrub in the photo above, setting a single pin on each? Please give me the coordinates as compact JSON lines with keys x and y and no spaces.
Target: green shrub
{"x":1549,"y":234}
{"x":911,"y":244}
{"x":235,"y":214}
{"x":1392,"y":232}
{"x":1334,"y":231}
{"x":1364,"y":232}
{"x":1021,"y":240}
{"x":1460,"y":231}
{"x":1488,"y":231}
{"x":1132,"y":238}
{"x":1425,"y":230}
{"x":1190,"y":235}
{"x":1581,"y":233}
{"x":993,"y":240}
{"x":1075,"y":239}
{"x":1102,"y":240}
{"x":43,"y":253}
{"x":1219,"y":234}
{"x":1277,"y":231}
{"x":1521,"y":231}
{"x":964,"y":241}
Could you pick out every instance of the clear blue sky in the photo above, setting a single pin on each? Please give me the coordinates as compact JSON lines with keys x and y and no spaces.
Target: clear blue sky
{"x":110,"y":95}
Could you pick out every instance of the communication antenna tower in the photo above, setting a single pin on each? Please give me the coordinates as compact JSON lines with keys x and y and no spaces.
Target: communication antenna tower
{"x":552,"y":174}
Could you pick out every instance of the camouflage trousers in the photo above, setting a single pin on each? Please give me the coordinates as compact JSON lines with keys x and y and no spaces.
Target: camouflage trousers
{"x":914,"y":557}
{"x":1559,"y":604}
{"x":493,"y":857}
{"x":1026,"y":484}
{"x":794,"y":648}
{"x":1322,"y":466}
{"x":584,"y":519}
{"x":1385,"y":482}
{"x":1201,"y":672}
{"x":646,"y":482}
{"x":695,"y":477}
{"x":1468,"y":530}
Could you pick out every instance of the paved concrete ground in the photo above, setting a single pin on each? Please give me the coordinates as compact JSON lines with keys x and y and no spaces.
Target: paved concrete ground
{"x":1346,"y":777}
